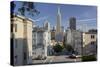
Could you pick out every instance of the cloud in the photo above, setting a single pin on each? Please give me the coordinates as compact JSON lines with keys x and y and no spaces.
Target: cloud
{"x":91,"y":19}
{"x":41,"y":18}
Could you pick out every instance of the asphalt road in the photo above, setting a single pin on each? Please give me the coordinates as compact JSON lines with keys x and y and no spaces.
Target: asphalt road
{"x":57,"y":59}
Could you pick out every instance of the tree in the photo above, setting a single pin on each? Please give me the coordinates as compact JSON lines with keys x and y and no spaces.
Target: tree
{"x":69,"y":48}
{"x":58,"y":48}
{"x":25,"y":7}
{"x":64,"y":42}
{"x":12,"y":7}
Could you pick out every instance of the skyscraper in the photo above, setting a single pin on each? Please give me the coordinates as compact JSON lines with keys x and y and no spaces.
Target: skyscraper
{"x":58,"y":25}
{"x":58,"y":35}
{"x":72,"y":23}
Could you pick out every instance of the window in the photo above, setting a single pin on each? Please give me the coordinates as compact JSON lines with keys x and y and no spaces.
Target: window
{"x":15,"y":27}
{"x":43,"y":47}
{"x":33,"y":47}
{"x":16,"y":56}
{"x":92,"y":42}
{"x":15,"y":59}
{"x":44,"y":35}
{"x":92,"y":36}
{"x":34,"y":35}
{"x":48,"y":42}
{"x":12,"y":35}
{"x":24,"y":56}
{"x":34,"y":41}
{"x":45,"y":41}
{"x":11,"y":27}
{"x":34,"y":52}
{"x":16,"y":43}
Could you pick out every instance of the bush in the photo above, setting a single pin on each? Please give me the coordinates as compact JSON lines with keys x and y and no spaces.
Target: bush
{"x":89,"y":58}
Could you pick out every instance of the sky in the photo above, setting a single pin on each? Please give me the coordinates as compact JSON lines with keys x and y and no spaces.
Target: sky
{"x":86,"y":16}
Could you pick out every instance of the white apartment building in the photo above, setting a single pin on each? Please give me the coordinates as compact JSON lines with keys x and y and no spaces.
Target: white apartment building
{"x":21,"y":40}
{"x":74,"y":38}
{"x":89,"y":43}
{"x":41,"y":41}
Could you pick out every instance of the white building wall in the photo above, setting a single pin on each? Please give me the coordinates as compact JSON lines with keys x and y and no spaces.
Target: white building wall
{"x":40,"y":43}
{"x":78,"y":41}
{"x":69,"y":37}
{"x":18,"y":41}
{"x":29,"y":40}
{"x":42,"y":38}
{"x":18,"y":32}
{"x":89,"y":48}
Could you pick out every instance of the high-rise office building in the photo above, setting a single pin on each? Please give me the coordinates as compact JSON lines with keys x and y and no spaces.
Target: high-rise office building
{"x":58,"y":26}
{"x":58,"y":35}
{"x":72,"y":23}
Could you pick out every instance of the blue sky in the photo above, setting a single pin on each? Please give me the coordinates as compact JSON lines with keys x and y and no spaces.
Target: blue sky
{"x":86,"y":16}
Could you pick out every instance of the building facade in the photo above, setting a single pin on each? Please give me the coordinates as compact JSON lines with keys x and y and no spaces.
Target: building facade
{"x":53,"y":32}
{"x":58,"y":24}
{"x":41,"y":41}
{"x":59,"y":33}
{"x":21,"y":40}
{"x":89,"y":43}
{"x":72,"y":23}
{"x":74,"y":38}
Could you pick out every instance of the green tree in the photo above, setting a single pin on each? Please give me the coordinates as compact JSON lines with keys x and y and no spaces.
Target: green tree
{"x":58,"y":48}
{"x":69,"y":48}
{"x":64,"y":42}
{"x":25,"y":7}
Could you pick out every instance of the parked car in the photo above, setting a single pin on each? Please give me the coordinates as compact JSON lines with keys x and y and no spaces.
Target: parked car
{"x":73,"y":56}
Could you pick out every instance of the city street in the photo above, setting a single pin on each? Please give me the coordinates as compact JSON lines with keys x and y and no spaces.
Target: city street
{"x":57,"y":59}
